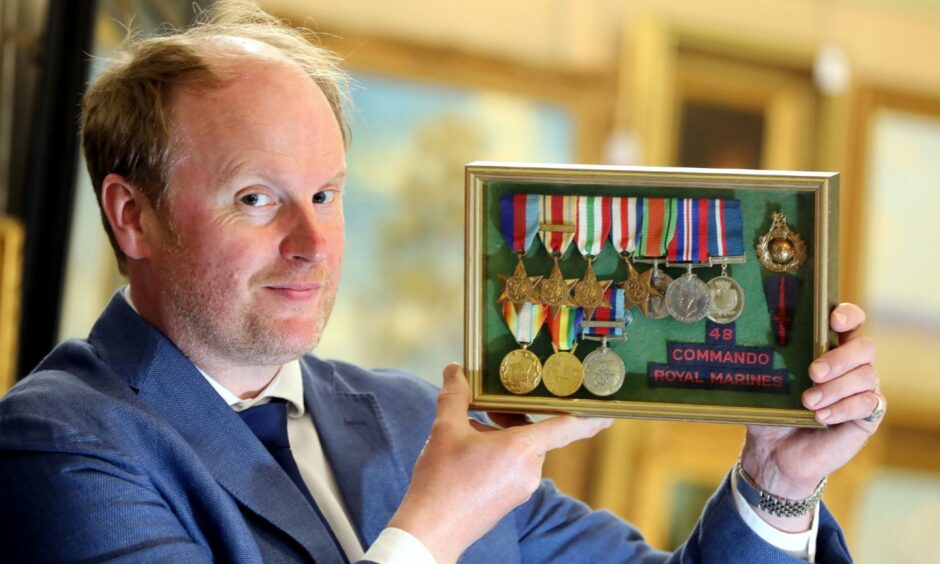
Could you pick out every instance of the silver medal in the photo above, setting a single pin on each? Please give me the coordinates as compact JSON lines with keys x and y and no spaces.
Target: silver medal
{"x":604,"y":372}
{"x":688,"y":298}
{"x":727,"y":298}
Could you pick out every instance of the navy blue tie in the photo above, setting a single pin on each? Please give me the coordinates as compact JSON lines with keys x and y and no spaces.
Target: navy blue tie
{"x":269,"y":423}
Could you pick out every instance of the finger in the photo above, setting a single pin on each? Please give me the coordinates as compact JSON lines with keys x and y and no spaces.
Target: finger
{"x":507,"y":420}
{"x":852,"y":408}
{"x":838,"y":361}
{"x":563,"y":430}
{"x":453,"y":401}
{"x":846,"y":319}
{"x":861,"y":379}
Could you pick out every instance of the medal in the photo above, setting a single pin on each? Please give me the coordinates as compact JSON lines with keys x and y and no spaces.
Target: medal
{"x":593,"y":230}
{"x":556,"y":229}
{"x":659,"y":285}
{"x":520,"y":370}
{"x":725,"y":244}
{"x":688,"y":298}
{"x":604,"y":370}
{"x":563,"y":372}
{"x":519,"y":221}
{"x":781,"y":250}
{"x":626,"y":220}
{"x":727,"y":297}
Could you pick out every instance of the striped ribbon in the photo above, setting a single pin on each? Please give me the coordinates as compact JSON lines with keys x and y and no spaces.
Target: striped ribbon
{"x":625,"y":224}
{"x":617,"y":312}
{"x":725,"y":228}
{"x":525,"y":324}
{"x":558,"y":211}
{"x":659,"y":224}
{"x":593,"y":224}
{"x":565,"y":326}
{"x":519,"y":220}
{"x":690,"y":240}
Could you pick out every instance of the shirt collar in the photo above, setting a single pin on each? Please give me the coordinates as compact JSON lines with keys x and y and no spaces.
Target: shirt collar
{"x":287,"y":383}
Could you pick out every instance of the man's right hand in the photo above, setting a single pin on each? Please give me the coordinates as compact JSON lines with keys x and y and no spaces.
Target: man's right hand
{"x":469,"y":475}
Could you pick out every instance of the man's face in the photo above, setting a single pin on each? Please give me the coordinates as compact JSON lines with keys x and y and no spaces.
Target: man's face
{"x":251,"y":242}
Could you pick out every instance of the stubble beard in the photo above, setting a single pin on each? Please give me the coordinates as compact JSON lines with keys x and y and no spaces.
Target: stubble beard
{"x":210,"y":327}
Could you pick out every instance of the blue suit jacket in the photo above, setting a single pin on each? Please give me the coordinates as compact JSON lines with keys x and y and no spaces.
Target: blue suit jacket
{"x":116,"y":448}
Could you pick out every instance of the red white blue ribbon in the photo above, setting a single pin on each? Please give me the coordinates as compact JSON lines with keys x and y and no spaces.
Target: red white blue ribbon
{"x":725,"y":228}
{"x":690,"y":240}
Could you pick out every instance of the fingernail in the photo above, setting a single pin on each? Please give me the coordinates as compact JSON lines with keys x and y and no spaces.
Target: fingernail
{"x":818,"y":369}
{"x":823,"y":414}
{"x":813,"y":397}
{"x":838,"y":318}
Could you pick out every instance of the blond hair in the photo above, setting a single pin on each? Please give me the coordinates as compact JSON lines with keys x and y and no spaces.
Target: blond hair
{"x":126,"y":112}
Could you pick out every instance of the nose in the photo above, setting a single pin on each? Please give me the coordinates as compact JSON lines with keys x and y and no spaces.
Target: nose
{"x":305,"y":237}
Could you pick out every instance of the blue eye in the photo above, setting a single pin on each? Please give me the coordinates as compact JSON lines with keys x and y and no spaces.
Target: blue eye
{"x":324,"y":197}
{"x":256,"y":199}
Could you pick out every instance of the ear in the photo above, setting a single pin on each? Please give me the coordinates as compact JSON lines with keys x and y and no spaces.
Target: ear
{"x":130,"y":214}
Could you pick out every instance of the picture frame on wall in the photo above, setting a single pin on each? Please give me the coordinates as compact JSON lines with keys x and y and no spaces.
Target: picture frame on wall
{"x":554,"y":320}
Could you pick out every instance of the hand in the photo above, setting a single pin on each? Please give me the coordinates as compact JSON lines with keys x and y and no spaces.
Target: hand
{"x":469,"y":475}
{"x":791,"y":462}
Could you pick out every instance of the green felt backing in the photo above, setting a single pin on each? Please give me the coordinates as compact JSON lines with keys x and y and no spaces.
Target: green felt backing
{"x":648,"y":337}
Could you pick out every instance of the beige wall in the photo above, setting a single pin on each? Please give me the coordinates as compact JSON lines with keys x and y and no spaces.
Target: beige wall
{"x":887,"y":43}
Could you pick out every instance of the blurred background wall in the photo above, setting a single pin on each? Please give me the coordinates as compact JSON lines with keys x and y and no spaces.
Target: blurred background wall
{"x":845,"y":85}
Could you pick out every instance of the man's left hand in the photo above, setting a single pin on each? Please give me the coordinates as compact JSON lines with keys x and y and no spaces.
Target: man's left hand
{"x":790,"y":462}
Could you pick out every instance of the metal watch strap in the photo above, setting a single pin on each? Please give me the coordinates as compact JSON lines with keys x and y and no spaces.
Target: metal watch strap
{"x":775,"y":505}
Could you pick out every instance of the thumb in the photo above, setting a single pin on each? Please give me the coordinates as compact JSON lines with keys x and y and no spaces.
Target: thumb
{"x":453,"y":401}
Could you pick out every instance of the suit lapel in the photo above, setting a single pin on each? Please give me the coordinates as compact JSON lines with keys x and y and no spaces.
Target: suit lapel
{"x":169,"y":383}
{"x":358,"y":446}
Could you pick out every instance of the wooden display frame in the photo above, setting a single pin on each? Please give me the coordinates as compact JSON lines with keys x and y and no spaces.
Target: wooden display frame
{"x":810,"y":200}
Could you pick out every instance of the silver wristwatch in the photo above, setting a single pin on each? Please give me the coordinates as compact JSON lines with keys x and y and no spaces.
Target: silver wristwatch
{"x":775,"y":505}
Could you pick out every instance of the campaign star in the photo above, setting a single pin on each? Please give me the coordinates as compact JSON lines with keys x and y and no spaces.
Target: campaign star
{"x":589,"y":293}
{"x":555,"y":291}
{"x":637,"y":289}
{"x":520,"y":288}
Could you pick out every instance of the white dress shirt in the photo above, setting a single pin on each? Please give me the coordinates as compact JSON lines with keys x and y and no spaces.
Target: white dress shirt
{"x":395,"y":546}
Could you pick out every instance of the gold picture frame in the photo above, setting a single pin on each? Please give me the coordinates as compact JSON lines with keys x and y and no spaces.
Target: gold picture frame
{"x":814,"y":194}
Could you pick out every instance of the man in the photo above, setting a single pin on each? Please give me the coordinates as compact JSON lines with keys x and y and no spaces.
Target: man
{"x":218,"y":157}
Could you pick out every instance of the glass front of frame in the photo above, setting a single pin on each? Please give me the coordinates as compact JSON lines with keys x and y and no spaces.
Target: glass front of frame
{"x":723,"y":372}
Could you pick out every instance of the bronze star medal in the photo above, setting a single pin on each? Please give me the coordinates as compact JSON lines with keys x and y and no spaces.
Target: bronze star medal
{"x":637,"y":289}
{"x":589,"y":292}
{"x":555,"y":291}
{"x":520,"y":287}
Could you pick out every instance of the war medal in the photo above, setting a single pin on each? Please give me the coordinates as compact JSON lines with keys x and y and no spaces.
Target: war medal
{"x":604,"y":370}
{"x":626,"y":220}
{"x":520,"y":371}
{"x":563,"y":372}
{"x":557,"y":228}
{"x":688,"y":298}
{"x":519,"y":222}
{"x":725,"y":245}
{"x":590,"y":237}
